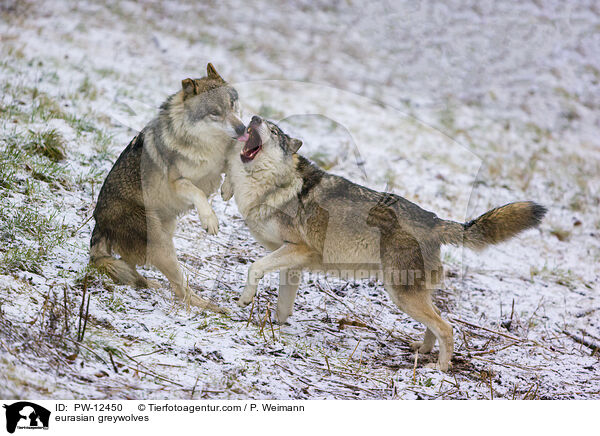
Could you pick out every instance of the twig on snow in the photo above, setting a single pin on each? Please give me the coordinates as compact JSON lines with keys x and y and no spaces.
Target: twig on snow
{"x":514,"y":338}
{"x":415,"y":366}
{"x":581,"y":340}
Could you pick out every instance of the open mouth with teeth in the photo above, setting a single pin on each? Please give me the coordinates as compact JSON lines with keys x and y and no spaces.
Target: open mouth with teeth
{"x":252,"y":146}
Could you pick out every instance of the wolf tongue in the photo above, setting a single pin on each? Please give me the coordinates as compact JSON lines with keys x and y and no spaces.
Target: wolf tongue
{"x":244,"y":137}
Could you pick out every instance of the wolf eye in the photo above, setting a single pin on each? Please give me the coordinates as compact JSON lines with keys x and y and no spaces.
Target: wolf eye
{"x":215,"y":112}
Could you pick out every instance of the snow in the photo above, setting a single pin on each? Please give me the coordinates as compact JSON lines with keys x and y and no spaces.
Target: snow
{"x":459,"y":107}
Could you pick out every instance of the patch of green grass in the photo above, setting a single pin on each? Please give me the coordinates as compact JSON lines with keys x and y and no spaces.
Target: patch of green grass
{"x":15,"y":52}
{"x":560,"y":276}
{"x":11,"y":110}
{"x":106,"y":72}
{"x":80,"y":124}
{"x":102,"y":143}
{"x":28,"y":237}
{"x":44,"y":107}
{"x":21,"y":258}
{"x":88,"y":89}
{"x":116,"y":304}
{"x":28,"y":232}
{"x":49,"y":143}
{"x":27,"y":155}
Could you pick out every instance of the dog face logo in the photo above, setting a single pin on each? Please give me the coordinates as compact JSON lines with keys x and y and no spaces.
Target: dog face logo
{"x":26,"y":415}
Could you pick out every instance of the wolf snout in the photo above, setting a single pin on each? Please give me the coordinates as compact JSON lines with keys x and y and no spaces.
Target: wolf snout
{"x":240,"y":129}
{"x":256,"y":121}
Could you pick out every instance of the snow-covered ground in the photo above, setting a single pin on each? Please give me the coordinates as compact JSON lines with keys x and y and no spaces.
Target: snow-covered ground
{"x":459,"y":107}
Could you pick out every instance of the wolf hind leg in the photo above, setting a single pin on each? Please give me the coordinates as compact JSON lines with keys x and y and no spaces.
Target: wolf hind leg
{"x":417,"y":304}
{"x":147,"y":283}
{"x":164,"y":258}
{"x":426,"y":345}
{"x":120,"y":270}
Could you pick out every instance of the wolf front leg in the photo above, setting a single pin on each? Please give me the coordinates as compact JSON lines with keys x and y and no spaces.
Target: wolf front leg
{"x":288,"y":256}
{"x":186,"y":189}
{"x":226,"y":189}
{"x":289,"y":280}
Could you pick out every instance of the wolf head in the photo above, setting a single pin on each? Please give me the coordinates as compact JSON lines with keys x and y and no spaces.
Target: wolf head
{"x":267,"y":144}
{"x":211,"y":107}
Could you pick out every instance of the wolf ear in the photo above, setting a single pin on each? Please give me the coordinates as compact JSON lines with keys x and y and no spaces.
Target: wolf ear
{"x":190,"y":87}
{"x":212,"y":73}
{"x":295,"y":144}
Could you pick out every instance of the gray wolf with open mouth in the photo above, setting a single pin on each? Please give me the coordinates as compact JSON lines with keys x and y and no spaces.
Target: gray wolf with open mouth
{"x":172,"y":165}
{"x":314,"y":220}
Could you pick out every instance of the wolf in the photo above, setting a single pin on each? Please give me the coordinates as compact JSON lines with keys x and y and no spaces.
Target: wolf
{"x":314,"y":220}
{"x":172,"y":165}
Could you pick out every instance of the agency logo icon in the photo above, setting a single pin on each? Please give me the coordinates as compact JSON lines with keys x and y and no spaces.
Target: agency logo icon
{"x":26,"y":415}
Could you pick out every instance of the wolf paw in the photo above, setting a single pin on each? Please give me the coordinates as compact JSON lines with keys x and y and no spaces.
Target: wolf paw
{"x":226,"y":193}
{"x":153,"y":284}
{"x":203,"y":304}
{"x":439,"y":366}
{"x":244,"y":301}
{"x":281,"y":318}
{"x":418,"y":345}
{"x":210,"y":223}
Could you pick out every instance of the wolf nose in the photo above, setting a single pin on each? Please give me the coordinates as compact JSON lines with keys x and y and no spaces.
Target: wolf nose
{"x":240,"y":129}
{"x":256,"y":120}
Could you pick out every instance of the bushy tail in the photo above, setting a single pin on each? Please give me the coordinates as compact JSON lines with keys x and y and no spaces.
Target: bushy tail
{"x":494,"y":226}
{"x":102,"y":259}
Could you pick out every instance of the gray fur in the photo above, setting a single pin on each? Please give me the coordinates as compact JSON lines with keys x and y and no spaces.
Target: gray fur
{"x":318,"y":221}
{"x":172,"y":165}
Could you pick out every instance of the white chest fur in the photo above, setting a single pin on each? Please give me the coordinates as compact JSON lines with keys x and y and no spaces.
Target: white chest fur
{"x":260,"y":194}
{"x":204,"y":171}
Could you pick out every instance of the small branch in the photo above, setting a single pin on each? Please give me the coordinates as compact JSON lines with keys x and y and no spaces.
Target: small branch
{"x":251,"y":312}
{"x":85,"y":320}
{"x":82,"y":225}
{"x":153,"y":374}
{"x":348,"y":322}
{"x":113,"y":362}
{"x":586,"y":312}
{"x":493,"y":350}
{"x":66,"y":311}
{"x":581,"y":340}
{"x":271,"y":324}
{"x":148,"y":354}
{"x":415,"y":366}
{"x":150,"y":372}
{"x":87,"y":348}
{"x":194,"y":388}
{"x":79,"y":333}
{"x":355,"y":387}
{"x":353,"y":351}
{"x":514,"y":338}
